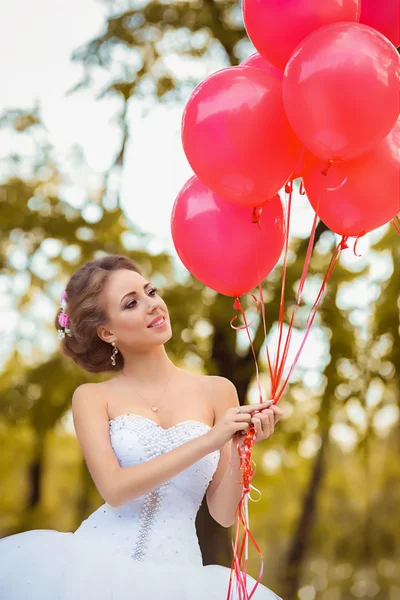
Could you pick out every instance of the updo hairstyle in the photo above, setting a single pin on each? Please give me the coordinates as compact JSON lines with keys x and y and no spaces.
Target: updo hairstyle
{"x":86,"y":314}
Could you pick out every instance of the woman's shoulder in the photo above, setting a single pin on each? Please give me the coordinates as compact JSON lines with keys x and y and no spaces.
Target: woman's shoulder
{"x":212,"y":381}
{"x":89,"y":388}
{"x":216,"y":386}
{"x":219,"y":382}
{"x":221,"y":393}
{"x":89,"y":395}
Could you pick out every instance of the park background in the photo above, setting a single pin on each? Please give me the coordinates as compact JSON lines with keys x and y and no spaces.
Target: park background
{"x":91,"y":163}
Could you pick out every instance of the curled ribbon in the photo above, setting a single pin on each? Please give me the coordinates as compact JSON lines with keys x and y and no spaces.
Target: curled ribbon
{"x":356,"y":242}
{"x":240,"y":546}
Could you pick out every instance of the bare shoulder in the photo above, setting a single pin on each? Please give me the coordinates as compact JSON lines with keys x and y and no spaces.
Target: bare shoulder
{"x":222,"y":393}
{"x":219,"y":383}
{"x":86,"y":390}
{"x":88,"y":399}
{"x":211,"y":383}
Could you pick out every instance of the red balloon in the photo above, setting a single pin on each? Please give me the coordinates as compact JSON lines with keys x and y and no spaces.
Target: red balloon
{"x":218,"y":242}
{"x":358,"y":196}
{"x":383,"y":15}
{"x":341,"y":90}
{"x":298,"y":172}
{"x":236,"y":135}
{"x":276,"y":27}
{"x":259,"y":62}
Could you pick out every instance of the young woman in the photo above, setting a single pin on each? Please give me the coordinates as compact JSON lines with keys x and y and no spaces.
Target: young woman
{"x":156,"y":440}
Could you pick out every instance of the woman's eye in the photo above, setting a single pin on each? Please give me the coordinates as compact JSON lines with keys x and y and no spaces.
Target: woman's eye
{"x":133,"y":303}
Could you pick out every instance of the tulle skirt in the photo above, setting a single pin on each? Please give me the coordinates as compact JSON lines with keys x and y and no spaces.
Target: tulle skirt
{"x":47,"y":564}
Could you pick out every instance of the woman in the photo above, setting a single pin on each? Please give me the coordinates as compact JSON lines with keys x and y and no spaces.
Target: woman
{"x":156,"y":440}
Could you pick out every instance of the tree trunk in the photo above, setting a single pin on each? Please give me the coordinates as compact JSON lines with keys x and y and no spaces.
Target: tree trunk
{"x":35,"y":474}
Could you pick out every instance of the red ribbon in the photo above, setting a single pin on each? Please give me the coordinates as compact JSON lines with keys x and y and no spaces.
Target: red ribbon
{"x":239,"y":564}
{"x":240,"y":546}
{"x":276,"y":369}
{"x":356,"y":243}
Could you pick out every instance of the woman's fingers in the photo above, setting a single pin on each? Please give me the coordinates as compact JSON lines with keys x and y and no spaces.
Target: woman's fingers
{"x":250,"y":408}
{"x":242,"y":417}
{"x":278,"y":413}
{"x":258,"y":427}
{"x":262,"y":416}
{"x":274,"y":411}
{"x":268,"y":418}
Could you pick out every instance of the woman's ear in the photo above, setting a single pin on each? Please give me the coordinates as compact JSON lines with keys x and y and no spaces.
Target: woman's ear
{"x":105,"y":335}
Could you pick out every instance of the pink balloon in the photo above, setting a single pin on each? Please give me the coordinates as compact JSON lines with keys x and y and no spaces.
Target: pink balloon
{"x":218,"y":242}
{"x":341,"y":90}
{"x":236,"y":135}
{"x":358,"y":196}
{"x":259,"y":62}
{"x":276,"y":27}
{"x":383,"y":15}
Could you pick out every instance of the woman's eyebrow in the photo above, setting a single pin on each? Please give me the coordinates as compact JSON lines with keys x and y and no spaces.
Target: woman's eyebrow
{"x":132,"y":293}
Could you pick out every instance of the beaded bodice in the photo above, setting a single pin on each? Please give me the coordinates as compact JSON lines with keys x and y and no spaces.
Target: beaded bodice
{"x":159,"y":526}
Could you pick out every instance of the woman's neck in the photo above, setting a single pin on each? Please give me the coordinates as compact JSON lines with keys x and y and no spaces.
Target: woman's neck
{"x":147,"y":368}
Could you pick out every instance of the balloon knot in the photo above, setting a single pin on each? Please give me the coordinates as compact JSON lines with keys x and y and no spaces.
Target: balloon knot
{"x":256,"y":215}
{"x":343,"y":243}
{"x":257,"y":210}
{"x":236,"y":304}
{"x":328,"y":166}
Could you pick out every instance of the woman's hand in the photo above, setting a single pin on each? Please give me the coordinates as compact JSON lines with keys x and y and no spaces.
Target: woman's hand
{"x":264,"y":422}
{"x":232,"y":422}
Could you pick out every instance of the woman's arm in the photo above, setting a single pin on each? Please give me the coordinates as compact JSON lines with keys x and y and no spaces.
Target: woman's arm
{"x":137,"y":480}
{"x":118,"y":485}
{"x":225,"y":490}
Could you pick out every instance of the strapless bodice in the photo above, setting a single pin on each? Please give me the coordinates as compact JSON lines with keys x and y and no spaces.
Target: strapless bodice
{"x":159,"y":526}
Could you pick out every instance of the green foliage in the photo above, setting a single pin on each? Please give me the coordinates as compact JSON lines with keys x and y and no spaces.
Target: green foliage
{"x":329,"y":476}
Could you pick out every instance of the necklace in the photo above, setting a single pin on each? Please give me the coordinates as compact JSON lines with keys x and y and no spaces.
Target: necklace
{"x":154,"y":408}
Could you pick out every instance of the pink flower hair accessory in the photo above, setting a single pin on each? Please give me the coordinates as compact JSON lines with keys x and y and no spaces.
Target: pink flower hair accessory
{"x":63,"y":318}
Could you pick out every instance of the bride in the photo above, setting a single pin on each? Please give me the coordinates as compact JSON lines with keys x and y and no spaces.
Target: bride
{"x":156,"y":440}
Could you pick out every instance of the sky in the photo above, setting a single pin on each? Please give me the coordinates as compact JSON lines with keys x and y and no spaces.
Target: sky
{"x":37,"y":41}
{"x":38,"y":68}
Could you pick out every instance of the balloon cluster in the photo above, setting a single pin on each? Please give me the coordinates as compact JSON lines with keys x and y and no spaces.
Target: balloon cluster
{"x":319,"y":100}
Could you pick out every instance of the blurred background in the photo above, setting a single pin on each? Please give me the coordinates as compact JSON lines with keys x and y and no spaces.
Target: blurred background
{"x":91,"y":163}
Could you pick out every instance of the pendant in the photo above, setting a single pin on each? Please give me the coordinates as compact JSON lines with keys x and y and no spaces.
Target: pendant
{"x":154,"y":408}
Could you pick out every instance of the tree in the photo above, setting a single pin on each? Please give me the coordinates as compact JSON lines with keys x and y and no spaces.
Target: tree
{"x":53,"y":238}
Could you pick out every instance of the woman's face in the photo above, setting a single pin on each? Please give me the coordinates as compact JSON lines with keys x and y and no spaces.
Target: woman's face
{"x":132,"y":303}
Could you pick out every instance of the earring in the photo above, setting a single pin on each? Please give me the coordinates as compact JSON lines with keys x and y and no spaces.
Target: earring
{"x":114,"y":354}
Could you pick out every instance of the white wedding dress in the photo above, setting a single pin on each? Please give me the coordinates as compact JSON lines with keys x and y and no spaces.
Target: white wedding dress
{"x":146,"y":549}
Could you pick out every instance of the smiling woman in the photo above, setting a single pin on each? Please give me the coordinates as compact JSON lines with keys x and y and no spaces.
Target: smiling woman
{"x":96,"y":294}
{"x":152,"y":474}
